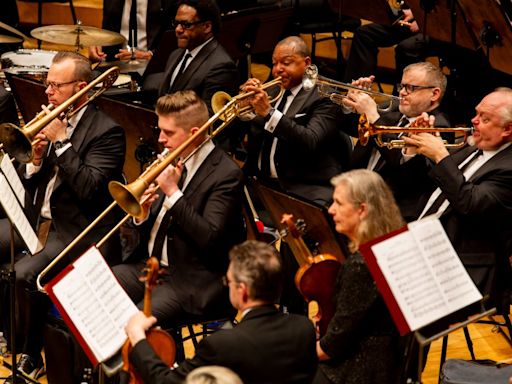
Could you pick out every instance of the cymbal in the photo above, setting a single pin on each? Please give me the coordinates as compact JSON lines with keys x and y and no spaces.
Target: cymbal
{"x":68,"y":34}
{"x":5,"y":39}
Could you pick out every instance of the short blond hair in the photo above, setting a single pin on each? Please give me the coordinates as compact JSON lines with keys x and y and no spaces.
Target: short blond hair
{"x":186,"y":107}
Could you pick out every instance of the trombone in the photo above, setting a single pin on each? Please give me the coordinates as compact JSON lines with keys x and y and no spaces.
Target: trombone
{"x":18,"y":142}
{"x":336,"y":91}
{"x":365,"y":129}
{"x":129,"y":197}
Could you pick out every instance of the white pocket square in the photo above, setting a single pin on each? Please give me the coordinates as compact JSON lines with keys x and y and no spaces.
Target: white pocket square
{"x":299,"y":115}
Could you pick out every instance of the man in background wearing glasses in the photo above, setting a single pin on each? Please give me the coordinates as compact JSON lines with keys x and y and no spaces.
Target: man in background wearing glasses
{"x":73,"y":162}
{"x":421,"y":90}
{"x":199,"y":63}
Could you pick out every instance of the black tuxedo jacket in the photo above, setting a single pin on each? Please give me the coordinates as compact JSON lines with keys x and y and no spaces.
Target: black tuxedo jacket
{"x":206,"y":223}
{"x":80,"y":192}
{"x":210,"y":71}
{"x":266,"y":347}
{"x":158,"y":19}
{"x":478,"y":219}
{"x":310,"y":148}
{"x":408,"y":180}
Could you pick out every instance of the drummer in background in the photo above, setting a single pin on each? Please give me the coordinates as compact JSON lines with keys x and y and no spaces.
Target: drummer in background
{"x":143,"y":32}
{"x":68,"y":177}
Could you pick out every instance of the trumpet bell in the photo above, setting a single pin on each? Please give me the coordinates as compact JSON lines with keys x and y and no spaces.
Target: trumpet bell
{"x":16,"y":143}
{"x":128,"y":196}
{"x":219,"y":100}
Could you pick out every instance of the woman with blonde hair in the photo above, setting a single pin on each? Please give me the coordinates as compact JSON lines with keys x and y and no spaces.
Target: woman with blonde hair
{"x":362,"y":344}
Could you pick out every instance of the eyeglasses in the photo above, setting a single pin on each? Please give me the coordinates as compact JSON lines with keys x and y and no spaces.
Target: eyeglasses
{"x":185,"y":24}
{"x":58,"y":85}
{"x":410,"y":88}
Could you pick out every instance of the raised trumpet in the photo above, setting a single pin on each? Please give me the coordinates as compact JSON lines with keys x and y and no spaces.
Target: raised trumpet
{"x":336,"y":91}
{"x":18,"y":142}
{"x":240,"y":102}
{"x":366,"y":130}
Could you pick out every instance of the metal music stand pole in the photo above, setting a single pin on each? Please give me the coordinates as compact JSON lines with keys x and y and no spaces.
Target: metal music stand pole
{"x":11,"y":276}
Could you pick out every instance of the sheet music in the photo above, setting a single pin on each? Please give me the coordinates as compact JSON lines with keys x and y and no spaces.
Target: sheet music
{"x":424,"y":273}
{"x":13,"y":177}
{"x":96,"y":304}
{"x":17,"y":216}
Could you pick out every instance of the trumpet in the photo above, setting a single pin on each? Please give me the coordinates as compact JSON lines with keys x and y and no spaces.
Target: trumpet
{"x":18,"y":142}
{"x":241,"y":104}
{"x":333,"y":89}
{"x":366,"y":129}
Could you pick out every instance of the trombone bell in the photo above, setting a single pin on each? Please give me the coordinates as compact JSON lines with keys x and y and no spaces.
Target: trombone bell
{"x":128,"y":196}
{"x":16,"y":143}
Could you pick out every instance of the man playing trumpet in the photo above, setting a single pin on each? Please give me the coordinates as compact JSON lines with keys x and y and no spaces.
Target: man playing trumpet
{"x":73,"y":162}
{"x":421,"y":90}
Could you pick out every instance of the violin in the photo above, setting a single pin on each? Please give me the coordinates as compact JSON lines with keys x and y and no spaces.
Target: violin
{"x":161,"y":342}
{"x":316,"y":276}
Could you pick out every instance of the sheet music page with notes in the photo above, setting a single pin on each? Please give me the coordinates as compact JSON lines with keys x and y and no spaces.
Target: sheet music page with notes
{"x":424,"y":273}
{"x":14,"y":179}
{"x":95,"y":302}
{"x":12,"y":208}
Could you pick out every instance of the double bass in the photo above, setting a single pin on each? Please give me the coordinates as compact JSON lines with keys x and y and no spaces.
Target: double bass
{"x":316,"y":277}
{"x":161,"y":342}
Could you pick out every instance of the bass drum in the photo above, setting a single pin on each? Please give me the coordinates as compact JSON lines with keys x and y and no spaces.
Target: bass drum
{"x":27,"y":61}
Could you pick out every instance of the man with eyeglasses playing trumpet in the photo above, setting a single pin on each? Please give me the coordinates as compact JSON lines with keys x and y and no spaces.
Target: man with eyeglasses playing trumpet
{"x":421,"y":90}
{"x":74,"y":159}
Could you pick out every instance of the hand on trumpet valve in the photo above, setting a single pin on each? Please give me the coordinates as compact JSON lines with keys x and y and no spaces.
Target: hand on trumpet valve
{"x":424,"y":121}
{"x":427,"y":144}
{"x":364,"y":82}
{"x":260,"y":100}
{"x":362,"y":103}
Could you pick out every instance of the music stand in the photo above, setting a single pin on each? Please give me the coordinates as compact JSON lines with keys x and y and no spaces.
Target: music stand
{"x":15,"y":216}
{"x":319,"y":225}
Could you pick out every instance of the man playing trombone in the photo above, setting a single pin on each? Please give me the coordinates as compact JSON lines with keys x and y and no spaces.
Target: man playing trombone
{"x":73,"y":161}
{"x":192,"y":223}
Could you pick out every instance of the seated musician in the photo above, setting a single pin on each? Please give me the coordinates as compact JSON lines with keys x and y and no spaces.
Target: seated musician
{"x":153,"y":18}
{"x":199,"y":63}
{"x":362,"y":344}
{"x":421,"y":90}
{"x":191,"y":223}
{"x":296,"y":144}
{"x":74,"y":160}
{"x":265,"y":347}
{"x":473,"y":198}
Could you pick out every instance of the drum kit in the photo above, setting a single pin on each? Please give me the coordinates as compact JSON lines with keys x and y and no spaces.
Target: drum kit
{"x":37,"y":62}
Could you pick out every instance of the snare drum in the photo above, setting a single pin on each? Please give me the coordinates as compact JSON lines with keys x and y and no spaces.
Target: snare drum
{"x":27,"y":61}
